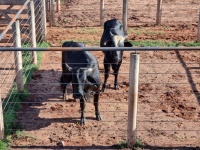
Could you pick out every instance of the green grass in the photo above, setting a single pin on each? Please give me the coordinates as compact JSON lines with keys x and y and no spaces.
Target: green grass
{"x":11,"y":103}
{"x":124,"y":144}
{"x":152,"y":43}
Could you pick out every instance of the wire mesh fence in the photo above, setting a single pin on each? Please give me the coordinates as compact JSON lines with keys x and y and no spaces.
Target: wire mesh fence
{"x":17,"y":33}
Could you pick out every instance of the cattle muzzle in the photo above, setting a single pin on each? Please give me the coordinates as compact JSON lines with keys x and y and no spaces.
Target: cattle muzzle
{"x":78,"y":96}
{"x":116,"y":60}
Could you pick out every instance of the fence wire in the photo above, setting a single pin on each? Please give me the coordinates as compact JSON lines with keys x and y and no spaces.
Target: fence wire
{"x":80,"y":13}
{"x":168,"y":108}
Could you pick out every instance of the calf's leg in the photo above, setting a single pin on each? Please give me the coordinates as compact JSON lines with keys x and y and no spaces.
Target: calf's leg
{"x":106,"y":75}
{"x":96,"y":105}
{"x":82,"y":105}
{"x":116,"y":71}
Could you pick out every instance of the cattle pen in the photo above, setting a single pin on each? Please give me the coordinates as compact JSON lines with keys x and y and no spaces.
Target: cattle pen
{"x":156,"y":107}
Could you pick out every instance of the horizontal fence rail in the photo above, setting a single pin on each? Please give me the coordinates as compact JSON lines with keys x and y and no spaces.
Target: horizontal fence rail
{"x":103,"y":49}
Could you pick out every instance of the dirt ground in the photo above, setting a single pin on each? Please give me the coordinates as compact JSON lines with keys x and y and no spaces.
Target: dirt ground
{"x":168,"y":108}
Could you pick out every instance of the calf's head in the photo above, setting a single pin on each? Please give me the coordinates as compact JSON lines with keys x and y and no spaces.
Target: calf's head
{"x":79,"y":80}
{"x":117,"y":41}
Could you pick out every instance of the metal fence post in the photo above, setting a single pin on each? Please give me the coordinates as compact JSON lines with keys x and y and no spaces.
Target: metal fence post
{"x":1,"y":119}
{"x":159,"y":12}
{"x":101,"y":12}
{"x":133,"y":98}
{"x":18,"y":57}
{"x":124,"y":13}
{"x":33,"y":34}
{"x":198,"y":30}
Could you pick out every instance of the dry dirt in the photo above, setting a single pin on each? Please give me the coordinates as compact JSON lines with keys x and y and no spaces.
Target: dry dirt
{"x":168,"y":108}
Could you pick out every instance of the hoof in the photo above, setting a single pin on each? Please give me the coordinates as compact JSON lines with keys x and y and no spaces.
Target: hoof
{"x":82,"y":121}
{"x":116,"y":87}
{"x":98,"y":117}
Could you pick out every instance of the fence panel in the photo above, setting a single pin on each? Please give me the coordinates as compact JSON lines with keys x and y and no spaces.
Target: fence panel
{"x":11,"y":81}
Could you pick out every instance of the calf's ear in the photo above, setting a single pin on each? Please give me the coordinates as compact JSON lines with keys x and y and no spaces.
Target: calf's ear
{"x":127,"y":44}
{"x":108,"y":43}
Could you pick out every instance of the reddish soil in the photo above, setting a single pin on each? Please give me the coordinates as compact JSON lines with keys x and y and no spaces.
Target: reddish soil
{"x":168,"y":108}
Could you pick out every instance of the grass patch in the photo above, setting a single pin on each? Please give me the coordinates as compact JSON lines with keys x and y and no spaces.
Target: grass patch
{"x":11,"y":104}
{"x":151,"y":43}
{"x":124,"y":144}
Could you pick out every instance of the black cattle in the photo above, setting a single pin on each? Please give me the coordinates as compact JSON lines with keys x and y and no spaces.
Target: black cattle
{"x":113,"y":36}
{"x":81,"y":69}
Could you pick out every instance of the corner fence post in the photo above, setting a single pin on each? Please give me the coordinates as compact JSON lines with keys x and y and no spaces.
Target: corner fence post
{"x":44,"y":23}
{"x":101,"y":12}
{"x":124,"y":13}
{"x":33,"y":34}
{"x":198,"y":30}
{"x":18,"y":57}
{"x":133,"y":98}
{"x":159,"y":12}
{"x":1,"y":119}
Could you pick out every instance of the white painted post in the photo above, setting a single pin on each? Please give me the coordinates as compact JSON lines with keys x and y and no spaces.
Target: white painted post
{"x":1,"y":120}
{"x":133,"y":98}
{"x":33,"y":33}
{"x":198,"y":30}
{"x":101,"y":12}
{"x":44,"y":23}
{"x":159,"y":12}
{"x":18,"y":57}
{"x":125,"y":14}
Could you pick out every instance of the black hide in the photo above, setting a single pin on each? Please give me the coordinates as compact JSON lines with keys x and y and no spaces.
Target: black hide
{"x":113,"y":36}
{"x":80,"y":68}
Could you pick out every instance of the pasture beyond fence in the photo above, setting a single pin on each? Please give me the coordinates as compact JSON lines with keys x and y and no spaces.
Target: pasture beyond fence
{"x":128,"y":12}
{"x":158,"y":101}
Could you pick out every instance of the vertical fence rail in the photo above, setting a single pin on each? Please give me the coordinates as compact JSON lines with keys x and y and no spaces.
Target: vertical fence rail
{"x":125,"y":14}
{"x":198,"y":30}
{"x":101,"y":12}
{"x":159,"y":12}
{"x":18,"y":56}
{"x":33,"y":34}
{"x":1,"y":120}
{"x":58,"y":6}
{"x":52,"y":13}
{"x":133,"y":98}
{"x":44,"y":24}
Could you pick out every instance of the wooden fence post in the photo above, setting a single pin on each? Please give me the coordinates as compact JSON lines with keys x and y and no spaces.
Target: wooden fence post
{"x":58,"y":6}
{"x":18,"y":56}
{"x":1,"y":119}
{"x":101,"y":12}
{"x":159,"y":12}
{"x":48,"y":10}
{"x":198,"y":31}
{"x":33,"y":34}
{"x":44,"y":23}
{"x":52,"y":13}
{"x":133,"y":98}
{"x":124,"y":14}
